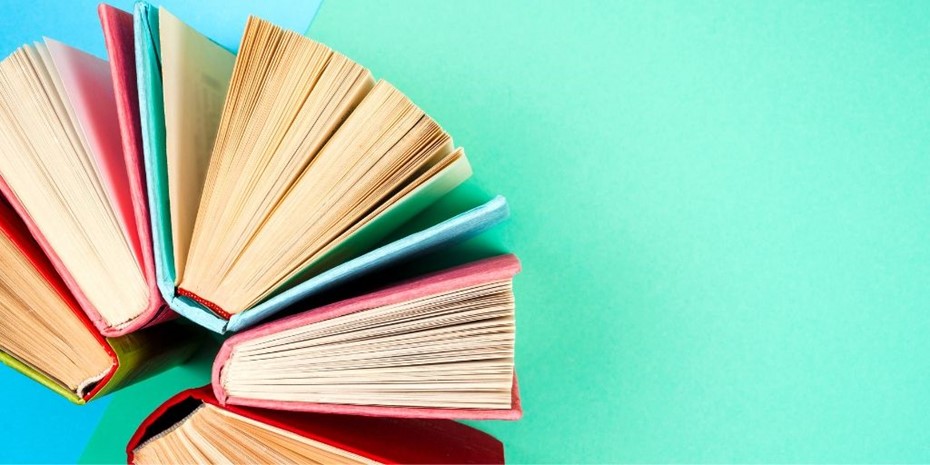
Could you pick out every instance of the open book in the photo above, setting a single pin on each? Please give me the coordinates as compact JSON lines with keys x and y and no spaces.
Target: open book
{"x":278,"y":172}
{"x":45,"y":335}
{"x":70,"y":164}
{"x":440,"y":346}
{"x":192,"y":427}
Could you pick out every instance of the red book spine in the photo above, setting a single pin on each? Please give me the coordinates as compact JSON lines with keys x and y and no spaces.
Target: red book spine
{"x":386,"y":440}
{"x":206,"y":303}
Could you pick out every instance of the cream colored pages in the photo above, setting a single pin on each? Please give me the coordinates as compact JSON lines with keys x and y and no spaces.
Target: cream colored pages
{"x":450,"y":350}
{"x":309,"y":151}
{"x":403,"y":205}
{"x":196,"y":74}
{"x":40,"y":329}
{"x":45,"y":162}
{"x":85,"y":82}
{"x":213,"y":435}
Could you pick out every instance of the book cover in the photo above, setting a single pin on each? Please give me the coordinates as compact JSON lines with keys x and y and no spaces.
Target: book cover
{"x":477,"y":273}
{"x":119,"y":37}
{"x":134,"y":357}
{"x":348,"y":262}
{"x":384,"y":440}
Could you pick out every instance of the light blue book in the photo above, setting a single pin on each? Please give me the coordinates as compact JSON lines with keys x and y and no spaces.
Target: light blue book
{"x":192,"y":58}
{"x":152,"y":116}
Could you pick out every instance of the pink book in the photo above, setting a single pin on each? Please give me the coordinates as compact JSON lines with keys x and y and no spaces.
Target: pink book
{"x":96,"y":96}
{"x":485,"y":272}
{"x":120,"y":42}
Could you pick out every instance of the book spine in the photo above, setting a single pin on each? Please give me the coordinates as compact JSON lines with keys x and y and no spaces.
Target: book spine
{"x":206,"y":303}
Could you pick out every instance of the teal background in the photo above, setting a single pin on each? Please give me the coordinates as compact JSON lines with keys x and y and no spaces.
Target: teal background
{"x":721,"y":207}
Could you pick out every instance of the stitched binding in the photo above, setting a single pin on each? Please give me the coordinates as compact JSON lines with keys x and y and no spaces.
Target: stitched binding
{"x":206,"y":303}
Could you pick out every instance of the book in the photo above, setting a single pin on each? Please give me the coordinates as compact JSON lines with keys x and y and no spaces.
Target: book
{"x":70,"y":165}
{"x":439,"y":346}
{"x":192,"y":427}
{"x":45,"y":335}
{"x":235,"y":236}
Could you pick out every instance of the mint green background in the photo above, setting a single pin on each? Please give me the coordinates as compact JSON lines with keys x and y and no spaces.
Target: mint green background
{"x":722,"y":210}
{"x":721,"y":207}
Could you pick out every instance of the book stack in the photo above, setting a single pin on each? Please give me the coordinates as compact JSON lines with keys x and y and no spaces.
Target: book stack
{"x":240,"y":190}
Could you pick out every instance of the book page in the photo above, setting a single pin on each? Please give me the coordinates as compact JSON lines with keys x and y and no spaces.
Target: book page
{"x":60,"y":187}
{"x":309,"y":151}
{"x":452,"y":349}
{"x":382,"y":221}
{"x":85,"y":80}
{"x":196,"y":74}
{"x":210,"y":434}
{"x":52,"y":346}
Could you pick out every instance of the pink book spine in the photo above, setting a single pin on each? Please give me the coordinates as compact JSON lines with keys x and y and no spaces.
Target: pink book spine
{"x":473,"y":274}
{"x":120,"y":42}
{"x":66,"y":276}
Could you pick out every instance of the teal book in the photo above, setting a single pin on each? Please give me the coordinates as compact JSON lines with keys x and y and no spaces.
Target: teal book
{"x":284,"y":171}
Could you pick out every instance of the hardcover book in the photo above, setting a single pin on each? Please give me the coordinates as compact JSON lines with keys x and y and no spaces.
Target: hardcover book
{"x":192,"y":427}
{"x":45,"y":335}
{"x":70,"y":165}
{"x":277,"y":173}
{"x":440,"y":346}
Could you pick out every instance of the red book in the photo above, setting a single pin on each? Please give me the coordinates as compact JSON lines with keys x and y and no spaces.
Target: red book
{"x":384,"y":440}
{"x":426,"y":348}
{"x":132,"y":357}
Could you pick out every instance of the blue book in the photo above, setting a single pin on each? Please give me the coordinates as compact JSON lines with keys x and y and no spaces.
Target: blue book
{"x":183,"y":81}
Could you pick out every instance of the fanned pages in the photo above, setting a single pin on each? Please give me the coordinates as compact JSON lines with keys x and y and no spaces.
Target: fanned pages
{"x":313,"y":163}
{"x":63,"y":169}
{"x":39,"y":324}
{"x":213,"y":435}
{"x":440,"y":346}
{"x":195,"y":78}
{"x":446,"y":233}
{"x":45,"y":335}
{"x":192,"y":427}
{"x":320,"y":110}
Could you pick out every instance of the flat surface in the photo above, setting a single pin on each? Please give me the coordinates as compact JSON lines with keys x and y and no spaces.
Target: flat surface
{"x":721,"y":209}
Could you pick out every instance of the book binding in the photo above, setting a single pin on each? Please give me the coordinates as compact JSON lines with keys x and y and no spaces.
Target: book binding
{"x":385,"y":440}
{"x":480,"y":272}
